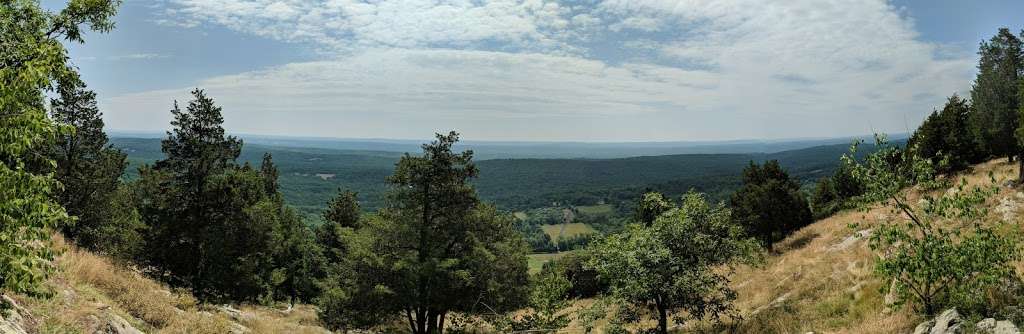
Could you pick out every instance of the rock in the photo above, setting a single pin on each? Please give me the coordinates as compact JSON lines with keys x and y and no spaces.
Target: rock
{"x":11,"y":320}
{"x":924,"y":327}
{"x":850,"y":240}
{"x":237,"y":315}
{"x":1005,"y":327}
{"x":237,"y":328}
{"x":947,"y":323}
{"x":986,"y":325}
{"x":115,"y":324}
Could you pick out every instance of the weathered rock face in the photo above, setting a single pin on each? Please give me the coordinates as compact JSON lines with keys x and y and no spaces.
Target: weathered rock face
{"x":949,"y":322}
{"x":11,"y":320}
{"x":991,"y":326}
{"x":110,"y":323}
{"x":10,"y":323}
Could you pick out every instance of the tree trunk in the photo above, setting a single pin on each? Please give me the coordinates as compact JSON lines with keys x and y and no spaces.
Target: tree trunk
{"x":662,"y":320}
{"x":1020,"y":170}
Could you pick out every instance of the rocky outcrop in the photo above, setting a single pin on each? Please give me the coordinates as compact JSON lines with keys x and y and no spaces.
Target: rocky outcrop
{"x":111,"y":323}
{"x":950,"y":322}
{"x":11,"y":321}
{"x":991,"y":326}
{"x":105,"y":321}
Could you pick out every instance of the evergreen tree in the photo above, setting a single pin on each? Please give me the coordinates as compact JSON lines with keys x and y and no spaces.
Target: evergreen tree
{"x":945,"y":137}
{"x":270,"y":174}
{"x":32,"y":62}
{"x":90,"y":172}
{"x":196,"y":151}
{"x":221,"y":229}
{"x":342,"y":216}
{"x":770,"y":204}
{"x":995,"y":93}
{"x":435,"y":249}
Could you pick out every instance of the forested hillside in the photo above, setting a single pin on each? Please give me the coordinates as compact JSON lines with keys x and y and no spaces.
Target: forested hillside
{"x":198,"y":232}
{"x":311,"y":176}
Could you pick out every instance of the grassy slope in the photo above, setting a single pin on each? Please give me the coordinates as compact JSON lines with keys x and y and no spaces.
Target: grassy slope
{"x":88,"y":286}
{"x":567,"y":230}
{"x":820,"y":281}
{"x":821,"y":278}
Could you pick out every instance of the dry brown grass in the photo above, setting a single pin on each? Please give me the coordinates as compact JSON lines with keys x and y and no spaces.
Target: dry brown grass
{"x":87,"y":286}
{"x":816,"y":282}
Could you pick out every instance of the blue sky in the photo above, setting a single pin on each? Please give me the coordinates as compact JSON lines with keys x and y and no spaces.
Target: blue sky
{"x":590,"y":70}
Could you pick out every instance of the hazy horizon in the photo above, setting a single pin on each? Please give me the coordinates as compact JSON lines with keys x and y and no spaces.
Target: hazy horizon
{"x":511,"y":70}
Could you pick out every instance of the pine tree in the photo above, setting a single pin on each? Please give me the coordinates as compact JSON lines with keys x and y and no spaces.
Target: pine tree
{"x":770,"y":204}
{"x":90,"y":171}
{"x":434,"y":250}
{"x":995,"y":94}
{"x":946,"y":139}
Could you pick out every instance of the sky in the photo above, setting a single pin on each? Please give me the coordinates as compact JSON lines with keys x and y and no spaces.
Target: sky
{"x":541,"y":70}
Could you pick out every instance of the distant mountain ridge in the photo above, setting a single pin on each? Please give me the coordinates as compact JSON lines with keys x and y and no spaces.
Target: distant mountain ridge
{"x":545,"y":149}
{"x":310,"y":176}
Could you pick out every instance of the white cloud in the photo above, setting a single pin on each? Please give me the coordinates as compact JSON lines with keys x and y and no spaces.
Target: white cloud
{"x":138,"y":56}
{"x":526,"y":69}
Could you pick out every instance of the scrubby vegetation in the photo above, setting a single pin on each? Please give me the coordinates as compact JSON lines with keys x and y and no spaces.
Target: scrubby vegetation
{"x":640,"y":247}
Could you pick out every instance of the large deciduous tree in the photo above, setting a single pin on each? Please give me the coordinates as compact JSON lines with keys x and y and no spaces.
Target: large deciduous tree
{"x":680,"y":262}
{"x":33,"y":60}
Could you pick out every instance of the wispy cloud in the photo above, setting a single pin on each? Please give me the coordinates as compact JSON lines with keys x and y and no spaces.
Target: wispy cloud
{"x":138,"y":56}
{"x":601,"y":69}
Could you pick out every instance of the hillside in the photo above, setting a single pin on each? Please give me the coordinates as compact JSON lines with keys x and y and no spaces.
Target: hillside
{"x":821,"y":280}
{"x":93,"y":295}
{"x":311,"y":176}
{"x":818,"y":280}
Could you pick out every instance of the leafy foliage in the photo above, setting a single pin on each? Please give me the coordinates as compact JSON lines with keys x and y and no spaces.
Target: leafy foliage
{"x":33,"y":61}
{"x":676,"y":263}
{"x":939,"y":254}
{"x":835,"y":193}
{"x":770,"y":204}
{"x":546,"y":309}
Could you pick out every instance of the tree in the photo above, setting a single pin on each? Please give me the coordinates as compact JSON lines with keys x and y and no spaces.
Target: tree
{"x":770,"y":204}
{"x":651,"y":205}
{"x":90,"y":172}
{"x":221,"y":229}
{"x":342,"y":216}
{"x":33,"y":61}
{"x":181,"y":206}
{"x":939,"y":254}
{"x":945,"y":137}
{"x":995,"y":93}
{"x":434,"y":249}
{"x":547,"y":301}
{"x":269,"y":173}
{"x":681,"y":262}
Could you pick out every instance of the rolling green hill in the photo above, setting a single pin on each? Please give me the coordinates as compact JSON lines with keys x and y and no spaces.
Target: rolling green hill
{"x":311,"y":176}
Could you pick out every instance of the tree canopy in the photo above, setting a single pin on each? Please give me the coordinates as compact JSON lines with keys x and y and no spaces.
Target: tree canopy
{"x":34,"y":61}
{"x":770,"y":204}
{"x":680,"y":262}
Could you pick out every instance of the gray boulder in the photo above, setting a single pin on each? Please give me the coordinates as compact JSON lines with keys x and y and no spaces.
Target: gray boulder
{"x":948,"y":322}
